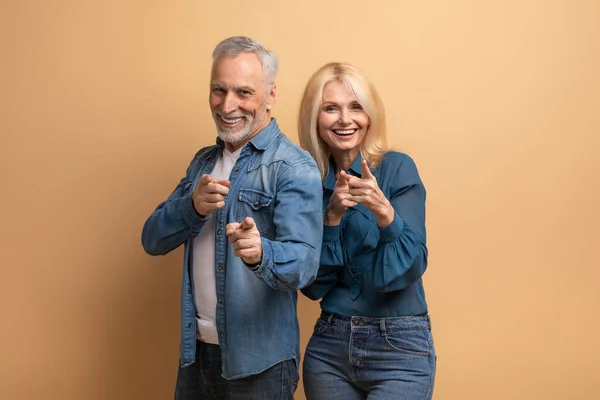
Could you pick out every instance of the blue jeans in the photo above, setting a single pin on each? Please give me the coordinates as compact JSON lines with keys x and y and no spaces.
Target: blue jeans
{"x":370,"y":358}
{"x":202,"y":380}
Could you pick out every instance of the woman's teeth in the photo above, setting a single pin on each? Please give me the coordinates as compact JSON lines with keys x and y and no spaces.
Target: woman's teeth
{"x":344,"y":132}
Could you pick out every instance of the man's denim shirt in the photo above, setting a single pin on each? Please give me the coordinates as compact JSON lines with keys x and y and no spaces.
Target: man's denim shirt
{"x":278,"y":184}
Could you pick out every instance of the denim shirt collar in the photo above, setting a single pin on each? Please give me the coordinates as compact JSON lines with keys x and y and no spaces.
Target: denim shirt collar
{"x":262,"y":140}
{"x":355,"y":170}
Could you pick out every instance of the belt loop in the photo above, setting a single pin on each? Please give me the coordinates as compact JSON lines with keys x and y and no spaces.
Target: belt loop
{"x":329,"y":318}
{"x":382,"y":325}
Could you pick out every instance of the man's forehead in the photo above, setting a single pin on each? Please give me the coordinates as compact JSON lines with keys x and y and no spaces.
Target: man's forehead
{"x":244,"y":66}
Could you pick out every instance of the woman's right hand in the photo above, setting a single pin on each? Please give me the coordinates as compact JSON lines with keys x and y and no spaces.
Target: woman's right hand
{"x":339,"y":201}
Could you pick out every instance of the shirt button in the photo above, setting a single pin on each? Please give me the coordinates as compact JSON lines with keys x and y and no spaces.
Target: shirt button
{"x":219,"y":231}
{"x":222,"y":334}
{"x":189,"y":325}
{"x":237,"y":169}
{"x":220,"y":299}
{"x":256,"y":203}
{"x":220,"y":267}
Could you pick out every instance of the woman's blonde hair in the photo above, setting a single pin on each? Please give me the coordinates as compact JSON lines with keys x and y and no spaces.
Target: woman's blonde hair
{"x":374,"y":145}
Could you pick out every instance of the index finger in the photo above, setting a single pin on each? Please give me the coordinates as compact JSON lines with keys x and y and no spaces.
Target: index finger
{"x":366,"y":171}
{"x":248,"y":223}
{"x":231,"y":227}
{"x":205,"y":179}
{"x":215,"y":187}
{"x":354,"y":181}
{"x":342,"y":179}
{"x":223,"y":182}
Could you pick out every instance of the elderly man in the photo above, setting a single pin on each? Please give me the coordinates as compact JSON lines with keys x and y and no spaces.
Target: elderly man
{"x":249,"y":214}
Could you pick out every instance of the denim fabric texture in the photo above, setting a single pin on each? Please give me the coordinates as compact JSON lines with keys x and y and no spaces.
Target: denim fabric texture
{"x":202,"y":380}
{"x":279,"y":185}
{"x":370,"y":358}
{"x":374,"y":339}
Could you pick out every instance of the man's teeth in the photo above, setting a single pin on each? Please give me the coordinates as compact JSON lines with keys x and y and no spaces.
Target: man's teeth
{"x":231,"y":120}
{"x":344,"y":132}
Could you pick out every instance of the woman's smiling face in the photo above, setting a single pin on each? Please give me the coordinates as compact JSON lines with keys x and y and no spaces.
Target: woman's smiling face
{"x":342,"y":122}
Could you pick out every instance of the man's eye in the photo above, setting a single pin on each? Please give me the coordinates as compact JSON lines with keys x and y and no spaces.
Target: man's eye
{"x":218,"y":90}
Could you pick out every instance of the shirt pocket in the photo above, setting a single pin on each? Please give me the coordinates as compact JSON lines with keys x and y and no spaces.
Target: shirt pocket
{"x":257,"y":205}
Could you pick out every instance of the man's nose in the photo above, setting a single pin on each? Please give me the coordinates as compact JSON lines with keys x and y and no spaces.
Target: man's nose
{"x":230,"y":103}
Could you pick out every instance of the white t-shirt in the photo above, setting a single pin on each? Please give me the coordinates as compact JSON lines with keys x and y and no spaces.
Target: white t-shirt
{"x":203,"y":269}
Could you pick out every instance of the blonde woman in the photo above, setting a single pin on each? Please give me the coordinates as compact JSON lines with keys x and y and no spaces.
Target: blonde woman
{"x":373,"y":339}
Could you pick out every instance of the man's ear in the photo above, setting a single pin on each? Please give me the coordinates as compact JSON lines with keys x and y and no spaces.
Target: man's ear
{"x":272,"y":97}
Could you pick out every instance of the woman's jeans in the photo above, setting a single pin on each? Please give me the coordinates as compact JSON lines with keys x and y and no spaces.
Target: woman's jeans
{"x":370,"y":358}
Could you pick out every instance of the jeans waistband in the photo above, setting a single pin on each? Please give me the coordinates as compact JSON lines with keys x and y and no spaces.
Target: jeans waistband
{"x":406,"y":322}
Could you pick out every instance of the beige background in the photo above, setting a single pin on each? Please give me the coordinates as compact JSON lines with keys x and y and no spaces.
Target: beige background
{"x":105,"y":102}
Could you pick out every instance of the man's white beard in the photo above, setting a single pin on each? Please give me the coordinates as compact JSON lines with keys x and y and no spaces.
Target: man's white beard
{"x":238,"y":135}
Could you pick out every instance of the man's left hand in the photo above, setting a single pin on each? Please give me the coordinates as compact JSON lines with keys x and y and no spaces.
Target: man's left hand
{"x":245,"y":240}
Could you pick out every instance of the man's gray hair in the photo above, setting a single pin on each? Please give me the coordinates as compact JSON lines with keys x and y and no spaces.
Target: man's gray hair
{"x":241,"y":44}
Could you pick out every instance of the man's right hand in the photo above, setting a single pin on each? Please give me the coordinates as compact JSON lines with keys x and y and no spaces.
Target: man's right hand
{"x":209,"y":195}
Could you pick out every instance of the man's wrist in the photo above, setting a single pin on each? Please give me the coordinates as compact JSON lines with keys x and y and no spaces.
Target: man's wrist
{"x":253,"y":265}
{"x":196,"y":210}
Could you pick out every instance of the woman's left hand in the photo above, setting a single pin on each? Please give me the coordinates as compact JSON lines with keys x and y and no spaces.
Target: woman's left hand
{"x":366,"y":191}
